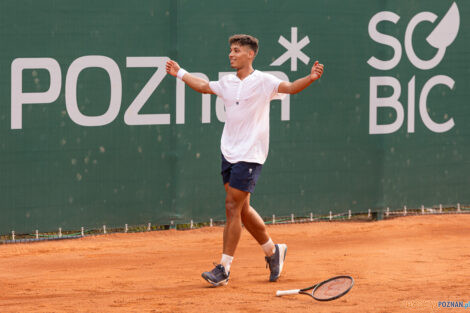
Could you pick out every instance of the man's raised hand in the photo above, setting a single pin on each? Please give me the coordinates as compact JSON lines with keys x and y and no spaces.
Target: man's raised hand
{"x":172,"y":68}
{"x":317,"y":71}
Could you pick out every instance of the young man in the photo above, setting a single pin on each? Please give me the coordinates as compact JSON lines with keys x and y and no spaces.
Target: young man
{"x":244,"y":146}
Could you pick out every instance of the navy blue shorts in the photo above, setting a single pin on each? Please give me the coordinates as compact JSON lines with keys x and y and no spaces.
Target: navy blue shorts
{"x":241,"y":175}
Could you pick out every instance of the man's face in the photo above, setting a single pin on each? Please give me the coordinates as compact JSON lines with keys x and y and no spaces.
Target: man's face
{"x":240,"y":56}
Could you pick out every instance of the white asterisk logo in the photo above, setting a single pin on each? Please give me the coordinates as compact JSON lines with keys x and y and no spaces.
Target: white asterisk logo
{"x":293,"y":50}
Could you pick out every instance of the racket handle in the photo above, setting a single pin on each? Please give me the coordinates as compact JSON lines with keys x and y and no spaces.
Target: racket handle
{"x":280,"y":293}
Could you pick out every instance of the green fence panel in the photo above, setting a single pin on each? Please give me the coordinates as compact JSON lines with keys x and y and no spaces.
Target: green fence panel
{"x":93,"y":132}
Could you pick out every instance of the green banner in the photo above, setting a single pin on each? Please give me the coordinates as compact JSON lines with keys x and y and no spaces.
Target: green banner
{"x":93,"y":131}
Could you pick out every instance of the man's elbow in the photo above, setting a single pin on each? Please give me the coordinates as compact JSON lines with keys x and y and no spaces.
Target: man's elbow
{"x":206,"y":89}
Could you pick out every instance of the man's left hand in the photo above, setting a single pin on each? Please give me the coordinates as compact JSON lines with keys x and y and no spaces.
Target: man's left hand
{"x":317,"y":71}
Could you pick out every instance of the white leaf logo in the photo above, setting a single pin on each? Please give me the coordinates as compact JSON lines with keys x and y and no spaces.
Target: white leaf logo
{"x":446,"y":31}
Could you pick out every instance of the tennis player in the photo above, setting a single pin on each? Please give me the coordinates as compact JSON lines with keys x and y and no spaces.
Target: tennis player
{"x":244,"y":146}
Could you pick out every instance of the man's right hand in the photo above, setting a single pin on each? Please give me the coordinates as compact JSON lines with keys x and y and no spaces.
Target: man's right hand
{"x":196,"y":83}
{"x":172,"y":68}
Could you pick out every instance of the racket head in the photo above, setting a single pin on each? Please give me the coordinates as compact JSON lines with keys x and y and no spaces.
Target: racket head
{"x":332,"y":288}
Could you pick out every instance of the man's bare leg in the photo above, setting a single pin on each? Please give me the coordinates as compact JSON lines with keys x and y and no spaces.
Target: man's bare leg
{"x":254,"y":223}
{"x":275,"y":254}
{"x":234,"y":201}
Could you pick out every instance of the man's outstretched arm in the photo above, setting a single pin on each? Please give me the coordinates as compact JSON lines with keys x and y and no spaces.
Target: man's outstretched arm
{"x":302,"y":83}
{"x":196,"y":83}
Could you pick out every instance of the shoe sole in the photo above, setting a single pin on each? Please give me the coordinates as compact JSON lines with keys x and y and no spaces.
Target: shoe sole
{"x":215,"y":284}
{"x":282,"y":249}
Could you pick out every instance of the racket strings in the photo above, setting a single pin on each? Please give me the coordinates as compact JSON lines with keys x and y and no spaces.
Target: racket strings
{"x":333,"y":288}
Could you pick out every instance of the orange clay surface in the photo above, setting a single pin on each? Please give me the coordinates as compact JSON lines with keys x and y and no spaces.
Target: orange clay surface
{"x":401,"y":265}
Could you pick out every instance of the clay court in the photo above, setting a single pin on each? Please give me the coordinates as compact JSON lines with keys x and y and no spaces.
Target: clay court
{"x":400,"y":265}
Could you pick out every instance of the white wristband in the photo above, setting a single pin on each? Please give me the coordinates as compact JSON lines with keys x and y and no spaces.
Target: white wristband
{"x":181,"y":73}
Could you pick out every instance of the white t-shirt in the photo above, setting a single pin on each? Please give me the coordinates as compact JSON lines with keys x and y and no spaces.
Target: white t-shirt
{"x":246,"y":131}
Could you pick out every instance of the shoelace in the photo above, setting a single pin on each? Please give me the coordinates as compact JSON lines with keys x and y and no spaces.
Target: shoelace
{"x":218,"y":269}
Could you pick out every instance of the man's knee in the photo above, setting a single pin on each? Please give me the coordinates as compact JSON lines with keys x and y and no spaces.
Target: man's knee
{"x":232,"y":208}
{"x":234,"y":202}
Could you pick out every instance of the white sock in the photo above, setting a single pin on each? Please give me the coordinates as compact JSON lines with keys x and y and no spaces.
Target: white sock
{"x":269,"y":247}
{"x":226,"y":262}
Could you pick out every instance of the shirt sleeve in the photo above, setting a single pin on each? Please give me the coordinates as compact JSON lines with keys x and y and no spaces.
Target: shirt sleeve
{"x":216,"y":87}
{"x":273,"y":86}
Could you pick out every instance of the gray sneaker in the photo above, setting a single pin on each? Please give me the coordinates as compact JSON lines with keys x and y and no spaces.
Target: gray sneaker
{"x":276,"y":261}
{"x":217,"y":276}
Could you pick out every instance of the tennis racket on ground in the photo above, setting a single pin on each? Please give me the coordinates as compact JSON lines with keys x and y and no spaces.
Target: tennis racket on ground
{"x":327,"y":290}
